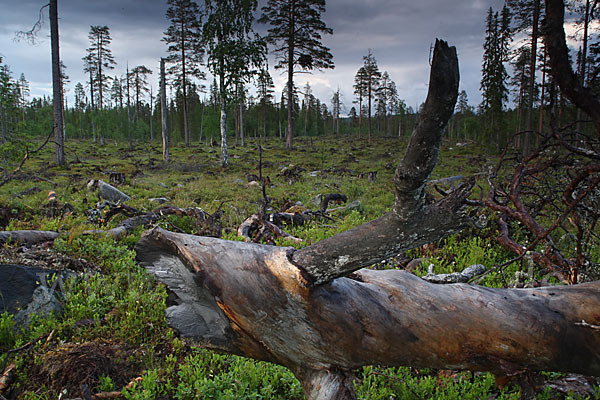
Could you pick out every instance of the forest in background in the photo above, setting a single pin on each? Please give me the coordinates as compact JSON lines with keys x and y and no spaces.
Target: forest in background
{"x":518,"y":93}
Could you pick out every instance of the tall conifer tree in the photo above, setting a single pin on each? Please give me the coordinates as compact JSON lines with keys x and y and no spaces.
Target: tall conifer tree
{"x":99,"y":60}
{"x":296,"y":29}
{"x":185,"y":50}
{"x":372,"y":75}
{"x":493,"y":74}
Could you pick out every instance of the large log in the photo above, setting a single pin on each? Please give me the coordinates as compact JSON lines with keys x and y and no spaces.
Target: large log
{"x":249,"y":299}
{"x":306,"y":310}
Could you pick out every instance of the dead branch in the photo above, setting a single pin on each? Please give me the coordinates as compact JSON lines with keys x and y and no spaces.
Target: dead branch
{"x":389,"y":235}
{"x":27,"y":237}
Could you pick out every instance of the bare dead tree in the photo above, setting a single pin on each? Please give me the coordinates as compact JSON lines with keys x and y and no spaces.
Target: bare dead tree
{"x":554,"y":192}
{"x":318,"y":313}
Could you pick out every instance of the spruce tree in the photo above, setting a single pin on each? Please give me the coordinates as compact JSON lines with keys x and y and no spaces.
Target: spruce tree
{"x":24,"y":91}
{"x":493,"y":74}
{"x":265,"y":89}
{"x":296,"y":33}
{"x":185,"y":50}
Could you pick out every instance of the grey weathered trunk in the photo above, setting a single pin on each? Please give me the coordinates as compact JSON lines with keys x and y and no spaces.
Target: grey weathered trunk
{"x":223,"y":122}
{"x":59,"y":152}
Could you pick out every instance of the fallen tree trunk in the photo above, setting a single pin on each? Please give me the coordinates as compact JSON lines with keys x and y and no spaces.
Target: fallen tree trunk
{"x":249,"y":299}
{"x":27,"y":237}
{"x":307,"y":310}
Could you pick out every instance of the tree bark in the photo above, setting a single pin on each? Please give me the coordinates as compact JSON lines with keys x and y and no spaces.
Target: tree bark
{"x":223,"y":123}
{"x":561,"y":69}
{"x":59,"y":152}
{"x":27,"y":237}
{"x":250,"y":300}
{"x":534,"y":38}
{"x":296,"y":308}
{"x":163,"y":110}
{"x":289,"y":142}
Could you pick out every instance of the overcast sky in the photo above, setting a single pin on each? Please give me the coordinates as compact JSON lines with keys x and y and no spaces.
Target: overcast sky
{"x":398,"y":32}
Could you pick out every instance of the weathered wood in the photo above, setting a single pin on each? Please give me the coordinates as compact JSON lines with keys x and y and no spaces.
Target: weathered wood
{"x":409,"y":224}
{"x":27,"y":237}
{"x":250,"y":299}
{"x":107,"y":191}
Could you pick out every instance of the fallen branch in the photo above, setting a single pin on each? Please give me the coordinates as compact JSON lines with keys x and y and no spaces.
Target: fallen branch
{"x":208,"y":224}
{"x":27,"y":237}
{"x":456,"y":277}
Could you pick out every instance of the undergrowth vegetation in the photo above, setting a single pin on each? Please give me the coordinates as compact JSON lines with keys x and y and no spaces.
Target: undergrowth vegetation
{"x":112,"y":333}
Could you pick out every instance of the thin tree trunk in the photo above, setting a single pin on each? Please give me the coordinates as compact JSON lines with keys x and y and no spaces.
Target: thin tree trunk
{"x":128,"y":110}
{"x":202,"y":123}
{"x":151,"y":116}
{"x":290,"y":83}
{"x":369,"y":115}
{"x":534,"y":38}
{"x":242,"y":122}
{"x":541,"y":122}
{"x":59,"y":152}
{"x":582,"y":70}
{"x":163,"y":111}
{"x":186,"y":133}
{"x":223,"y":122}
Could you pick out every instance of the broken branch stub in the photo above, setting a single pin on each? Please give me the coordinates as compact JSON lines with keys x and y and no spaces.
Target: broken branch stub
{"x":410,"y":223}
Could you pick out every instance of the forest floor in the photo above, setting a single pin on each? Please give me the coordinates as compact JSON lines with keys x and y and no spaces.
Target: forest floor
{"x":111,"y":338}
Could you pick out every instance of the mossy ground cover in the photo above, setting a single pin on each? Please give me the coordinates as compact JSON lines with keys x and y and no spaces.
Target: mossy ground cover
{"x":112,"y":334}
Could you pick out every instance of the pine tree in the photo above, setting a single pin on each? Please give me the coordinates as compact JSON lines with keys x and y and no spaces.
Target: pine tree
{"x":372,"y":77}
{"x":296,"y":29}
{"x":521,"y":80}
{"x":185,"y":50}
{"x":138,"y":77}
{"x":528,"y":14}
{"x":386,"y":95}
{"x":308,"y":96}
{"x":360,"y":90}
{"x":80,"y":103}
{"x":99,"y":60}
{"x":116,"y":92}
{"x":235,"y":52}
